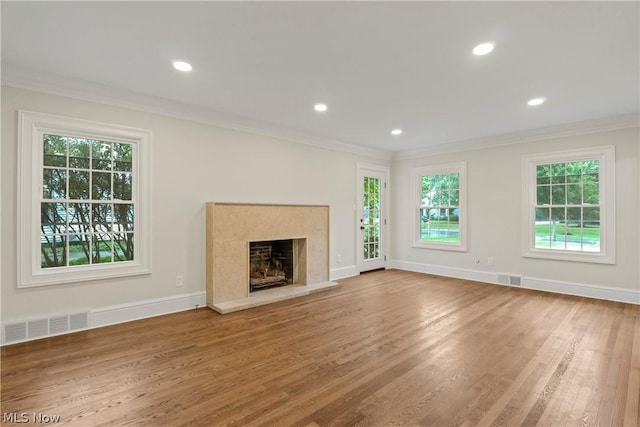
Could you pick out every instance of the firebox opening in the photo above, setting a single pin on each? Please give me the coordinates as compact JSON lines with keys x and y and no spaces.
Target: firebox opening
{"x":271,"y":264}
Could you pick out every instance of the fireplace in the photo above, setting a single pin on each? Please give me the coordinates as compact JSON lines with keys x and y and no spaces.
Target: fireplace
{"x":274,"y":263}
{"x":233,"y":228}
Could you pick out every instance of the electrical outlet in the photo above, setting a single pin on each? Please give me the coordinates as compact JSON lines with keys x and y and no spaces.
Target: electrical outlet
{"x":339,"y":258}
{"x":179,"y":281}
{"x":490,"y":260}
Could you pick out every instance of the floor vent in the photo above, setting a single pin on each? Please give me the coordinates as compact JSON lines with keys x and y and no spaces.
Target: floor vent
{"x":40,"y":328}
{"x":59,"y":324}
{"x":15,"y":332}
{"x":508,"y":279}
{"x":79,"y":321}
{"x":37,"y":328}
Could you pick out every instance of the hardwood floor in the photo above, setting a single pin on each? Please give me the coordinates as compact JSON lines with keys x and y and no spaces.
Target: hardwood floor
{"x":388,"y":348}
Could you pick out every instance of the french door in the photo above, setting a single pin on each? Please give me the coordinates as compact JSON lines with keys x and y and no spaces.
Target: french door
{"x":371,"y":222}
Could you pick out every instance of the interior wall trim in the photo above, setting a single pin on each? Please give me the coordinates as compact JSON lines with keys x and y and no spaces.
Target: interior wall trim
{"x":605,"y":124}
{"x":343,"y":272}
{"x":23,"y":78}
{"x":534,"y":283}
{"x":113,"y":315}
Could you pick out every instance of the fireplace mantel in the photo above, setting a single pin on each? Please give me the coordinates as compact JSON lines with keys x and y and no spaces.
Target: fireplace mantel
{"x":231,"y":226}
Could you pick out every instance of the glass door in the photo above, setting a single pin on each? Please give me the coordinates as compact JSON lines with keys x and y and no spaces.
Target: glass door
{"x":371,"y":221}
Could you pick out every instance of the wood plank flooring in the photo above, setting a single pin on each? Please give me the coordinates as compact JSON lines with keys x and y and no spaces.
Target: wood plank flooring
{"x":388,"y":348}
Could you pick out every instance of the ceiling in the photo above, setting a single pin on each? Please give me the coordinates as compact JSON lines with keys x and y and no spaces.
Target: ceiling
{"x":377,"y":65}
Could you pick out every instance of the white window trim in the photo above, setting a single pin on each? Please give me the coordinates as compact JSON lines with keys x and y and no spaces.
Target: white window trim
{"x":416,"y":190}
{"x":31,"y":128}
{"x":607,"y":188}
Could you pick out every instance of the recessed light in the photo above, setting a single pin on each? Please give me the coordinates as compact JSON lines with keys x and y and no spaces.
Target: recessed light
{"x":182,"y":66}
{"x":536,"y":101}
{"x":396,"y":132}
{"x":483,"y":48}
{"x":320,"y":108}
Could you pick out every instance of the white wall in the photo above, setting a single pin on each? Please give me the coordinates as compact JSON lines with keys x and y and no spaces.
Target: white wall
{"x":495,"y":218}
{"x":192,"y":163}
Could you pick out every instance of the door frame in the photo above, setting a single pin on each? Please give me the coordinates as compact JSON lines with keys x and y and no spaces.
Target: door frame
{"x":361,"y":172}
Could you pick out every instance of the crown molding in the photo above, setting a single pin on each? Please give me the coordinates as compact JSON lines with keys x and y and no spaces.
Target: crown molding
{"x":23,"y":78}
{"x":28,"y":79}
{"x":560,"y":131}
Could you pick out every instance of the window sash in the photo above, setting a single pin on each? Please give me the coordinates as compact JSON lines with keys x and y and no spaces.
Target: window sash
{"x":32,"y":128}
{"x":570,"y":247}
{"x":447,"y":239}
{"x":98,"y":246}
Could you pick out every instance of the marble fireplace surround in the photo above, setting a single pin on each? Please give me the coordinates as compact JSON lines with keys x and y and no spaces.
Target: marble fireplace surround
{"x":229,"y":229}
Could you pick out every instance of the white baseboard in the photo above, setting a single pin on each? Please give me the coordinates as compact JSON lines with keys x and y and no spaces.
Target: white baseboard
{"x":458,"y":273}
{"x":582,"y":290}
{"x":547,"y":285}
{"x":96,"y":318}
{"x":343,"y":272}
{"x":142,"y":309}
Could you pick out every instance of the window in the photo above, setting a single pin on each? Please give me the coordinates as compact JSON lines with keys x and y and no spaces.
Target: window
{"x":84,"y":200}
{"x":568,"y":200}
{"x":438,"y":221}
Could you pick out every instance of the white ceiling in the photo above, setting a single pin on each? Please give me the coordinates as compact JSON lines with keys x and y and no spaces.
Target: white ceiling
{"x":377,"y":65}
